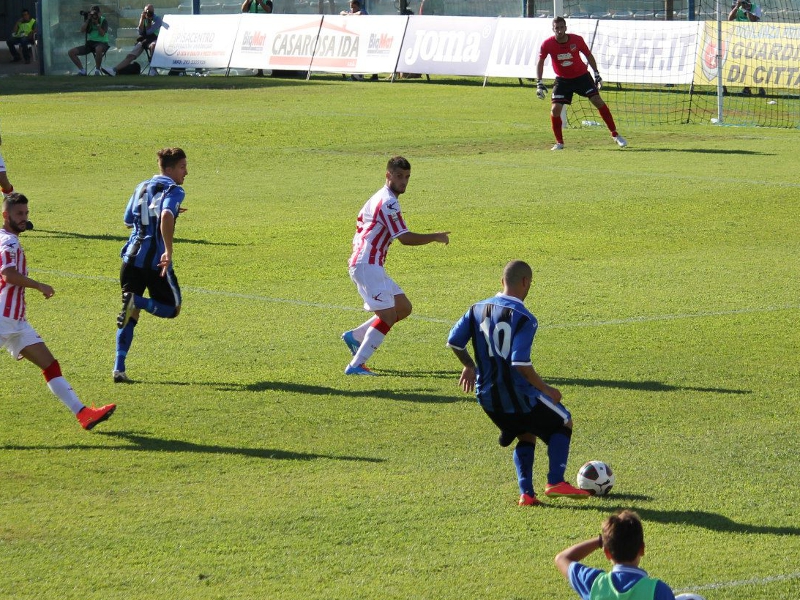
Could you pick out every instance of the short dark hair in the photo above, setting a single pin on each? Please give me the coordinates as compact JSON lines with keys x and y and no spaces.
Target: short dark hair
{"x":25,"y":10}
{"x":559,"y":19}
{"x":169,"y":157}
{"x":623,"y":536}
{"x":398,"y":163}
{"x":13,"y":199}
{"x":515,"y":271}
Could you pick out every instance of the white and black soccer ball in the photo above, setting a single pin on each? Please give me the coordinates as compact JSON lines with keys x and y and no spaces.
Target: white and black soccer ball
{"x":689,"y":597}
{"x":596,"y":477}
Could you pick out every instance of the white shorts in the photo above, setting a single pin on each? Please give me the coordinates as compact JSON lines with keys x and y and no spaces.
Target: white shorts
{"x":15,"y":336}
{"x":375,"y":286}
{"x":2,"y":164}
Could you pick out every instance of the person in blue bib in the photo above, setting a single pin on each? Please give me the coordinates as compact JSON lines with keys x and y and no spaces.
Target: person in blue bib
{"x":622,"y":541}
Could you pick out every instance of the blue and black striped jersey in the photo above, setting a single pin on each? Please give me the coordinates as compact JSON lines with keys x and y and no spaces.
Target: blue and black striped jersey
{"x":143,"y":213}
{"x":501,"y":330}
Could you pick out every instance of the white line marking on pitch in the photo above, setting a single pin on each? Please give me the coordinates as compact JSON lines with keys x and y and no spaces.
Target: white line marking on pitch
{"x":728,"y":584}
{"x":603,"y":323}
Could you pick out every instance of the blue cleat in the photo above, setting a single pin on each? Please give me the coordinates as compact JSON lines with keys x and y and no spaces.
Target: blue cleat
{"x":358,"y":370}
{"x":352,"y":344}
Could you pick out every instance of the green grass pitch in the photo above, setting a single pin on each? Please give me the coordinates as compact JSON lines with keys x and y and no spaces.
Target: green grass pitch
{"x":243,"y":464}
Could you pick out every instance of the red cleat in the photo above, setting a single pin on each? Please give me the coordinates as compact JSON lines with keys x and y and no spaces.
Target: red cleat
{"x":91,"y":416}
{"x":528,"y":500}
{"x":565,"y":490}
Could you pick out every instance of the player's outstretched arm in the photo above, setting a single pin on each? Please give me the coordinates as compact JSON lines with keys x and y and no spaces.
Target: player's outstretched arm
{"x":409,"y":238}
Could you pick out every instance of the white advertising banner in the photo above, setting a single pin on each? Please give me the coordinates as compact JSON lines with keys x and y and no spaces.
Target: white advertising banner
{"x":515,"y":51}
{"x":647,"y":52}
{"x":195,"y":41}
{"x":276,"y":41}
{"x":626,"y":51}
{"x":359,"y":44}
{"x":447,"y":45}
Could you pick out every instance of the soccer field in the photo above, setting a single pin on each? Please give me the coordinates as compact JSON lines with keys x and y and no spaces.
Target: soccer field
{"x":243,"y":464}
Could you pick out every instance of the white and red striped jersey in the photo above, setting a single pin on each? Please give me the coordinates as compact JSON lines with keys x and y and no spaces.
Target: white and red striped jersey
{"x":12,"y":297}
{"x":379,"y":222}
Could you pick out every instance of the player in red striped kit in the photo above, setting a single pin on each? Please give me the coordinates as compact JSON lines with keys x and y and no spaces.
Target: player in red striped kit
{"x":379,"y":223}
{"x":572,"y":77}
{"x":16,"y":334}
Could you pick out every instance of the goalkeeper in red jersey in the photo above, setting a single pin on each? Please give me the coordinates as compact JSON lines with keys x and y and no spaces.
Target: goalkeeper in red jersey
{"x":572,"y":77}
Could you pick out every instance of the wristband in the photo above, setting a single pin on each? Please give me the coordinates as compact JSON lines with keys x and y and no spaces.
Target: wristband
{"x":9,"y":190}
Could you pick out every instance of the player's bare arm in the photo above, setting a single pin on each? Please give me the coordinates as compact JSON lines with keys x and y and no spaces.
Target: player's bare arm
{"x":14,"y":277}
{"x":576,"y":553}
{"x":532,"y":377}
{"x":409,"y":238}
{"x":467,"y":379}
{"x":167,"y":233}
{"x":540,"y":69}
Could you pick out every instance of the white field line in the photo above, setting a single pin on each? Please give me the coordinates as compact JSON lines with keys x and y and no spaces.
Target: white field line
{"x":356,"y":308}
{"x":757,"y":581}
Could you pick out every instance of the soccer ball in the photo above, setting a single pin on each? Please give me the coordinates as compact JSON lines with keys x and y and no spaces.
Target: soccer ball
{"x":689,"y":597}
{"x":597,"y":477}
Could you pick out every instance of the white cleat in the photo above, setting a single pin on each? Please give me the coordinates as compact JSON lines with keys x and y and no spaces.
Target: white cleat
{"x":558,"y":146}
{"x":121,"y":377}
{"x":621,"y":141}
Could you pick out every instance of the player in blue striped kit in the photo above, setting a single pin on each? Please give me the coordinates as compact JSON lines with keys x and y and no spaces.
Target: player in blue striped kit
{"x":147,"y":256}
{"x":509,"y":389}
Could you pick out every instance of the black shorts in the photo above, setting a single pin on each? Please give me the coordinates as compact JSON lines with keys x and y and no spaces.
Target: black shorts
{"x":91,"y":48}
{"x":542,"y":421}
{"x":565,"y":88}
{"x":161,"y":289}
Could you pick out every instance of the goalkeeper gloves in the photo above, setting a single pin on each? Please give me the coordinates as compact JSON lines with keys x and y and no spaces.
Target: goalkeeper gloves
{"x":598,"y":81}
{"x":541,"y":90}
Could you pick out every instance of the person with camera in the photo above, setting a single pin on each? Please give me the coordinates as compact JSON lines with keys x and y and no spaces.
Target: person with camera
{"x":253,"y":6}
{"x":95,"y":28}
{"x":744,"y":10}
{"x":149,"y":26}
{"x":747,"y":12}
{"x":24,"y":36}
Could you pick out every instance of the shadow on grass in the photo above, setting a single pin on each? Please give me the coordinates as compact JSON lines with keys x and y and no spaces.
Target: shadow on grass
{"x":321,"y":390}
{"x":706,"y":151}
{"x":104,"y":237}
{"x":68,"y":84}
{"x":446,"y":374}
{"x":142,"y":442}
{"x":695,"y":518}
{"x":644,"y":386}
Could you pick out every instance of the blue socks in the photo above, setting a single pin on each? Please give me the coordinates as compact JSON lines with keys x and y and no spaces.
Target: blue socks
{"x":165,"y":311}
{"x":523,"y":461}
{"x":124,"y":341}
{"x":558,"y":453}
